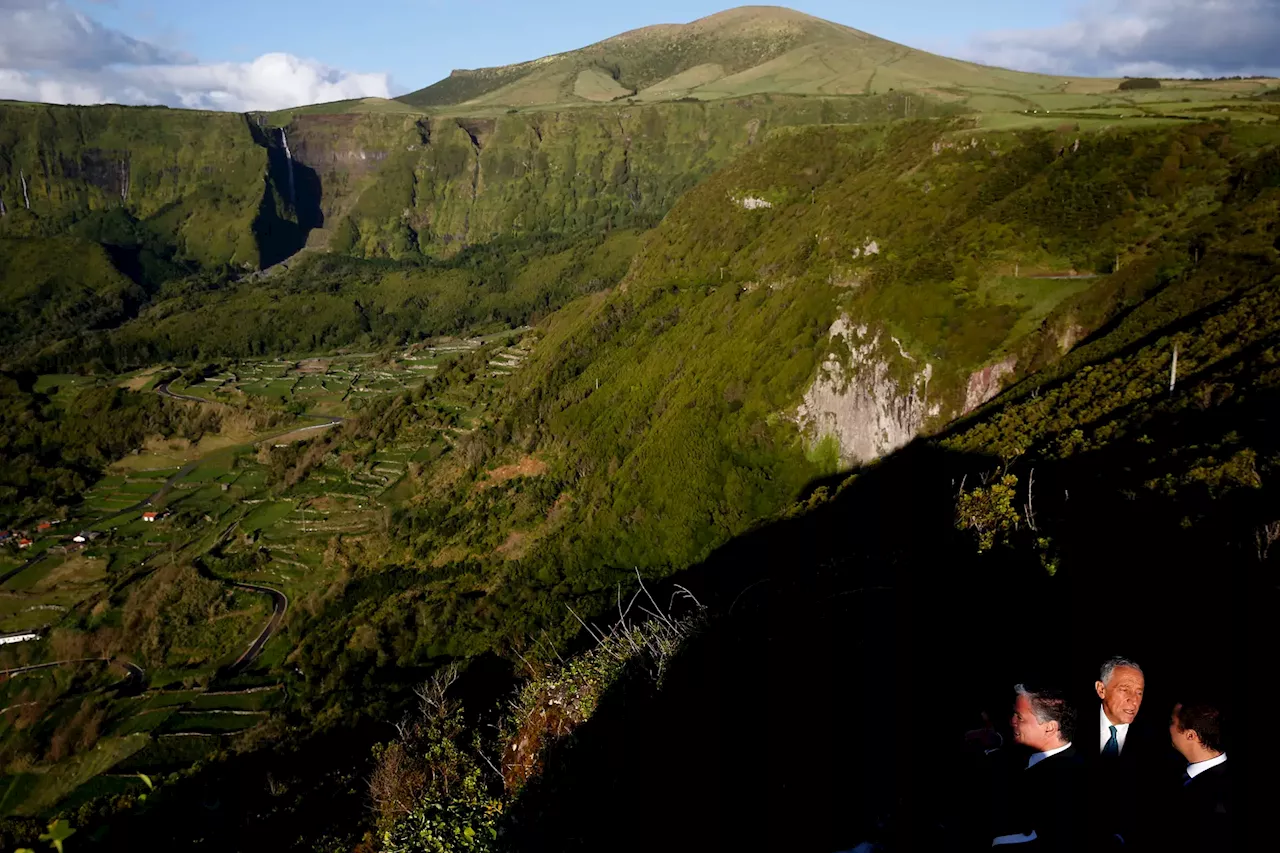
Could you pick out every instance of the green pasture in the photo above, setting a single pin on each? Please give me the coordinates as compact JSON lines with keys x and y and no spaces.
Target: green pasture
{"x":211,"y":722}
{"x":258,"y":700}
{"x":266,"y":514}
{"x":1035,"y":298}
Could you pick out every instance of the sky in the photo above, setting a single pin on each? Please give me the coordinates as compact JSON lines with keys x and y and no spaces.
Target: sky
{"x":271,"y":54}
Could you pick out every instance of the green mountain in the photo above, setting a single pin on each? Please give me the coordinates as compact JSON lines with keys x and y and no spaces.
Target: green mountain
{"x":747,"y":50}
{"x":754,"y":50}
{"x":690,"y":431}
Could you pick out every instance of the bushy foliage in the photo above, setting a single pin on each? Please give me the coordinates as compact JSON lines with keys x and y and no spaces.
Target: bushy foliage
{"x":989,"y":511}
{"x":431,"y":792}
{"x":329,"y":301}
{"x":50,"y":453}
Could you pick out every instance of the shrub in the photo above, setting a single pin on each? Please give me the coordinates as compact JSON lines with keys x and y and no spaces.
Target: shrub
{"x":989,"y":511}
{"x":1138,"y":83}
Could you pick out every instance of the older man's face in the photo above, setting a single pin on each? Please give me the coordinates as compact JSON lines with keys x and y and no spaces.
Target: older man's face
{"x":1122,"y":695}
{"x":1027,"y":730}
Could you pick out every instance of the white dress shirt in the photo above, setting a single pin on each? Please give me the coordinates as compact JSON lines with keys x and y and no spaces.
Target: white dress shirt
{"x":1194,"y":770}
{"x":1122,"y":731}
{"x":1041,"y":756}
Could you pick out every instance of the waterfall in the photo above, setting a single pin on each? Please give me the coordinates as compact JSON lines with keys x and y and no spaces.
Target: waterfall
{"x":124,"y":181}
{"x":285,"y":141}
{"x":25,"y":198}
{"x":3,"y":212}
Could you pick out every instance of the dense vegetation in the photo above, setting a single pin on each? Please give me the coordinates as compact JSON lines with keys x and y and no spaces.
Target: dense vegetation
{"x":653,"y":409}
{"x":49,"y":454}
{"x":325,"y":302}
{"x":1129,"y":84}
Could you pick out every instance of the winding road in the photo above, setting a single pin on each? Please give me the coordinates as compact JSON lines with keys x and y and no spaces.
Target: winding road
{"x":281,"y":604}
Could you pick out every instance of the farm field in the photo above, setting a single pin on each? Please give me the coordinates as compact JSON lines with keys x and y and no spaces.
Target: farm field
{"x":144,"y":614}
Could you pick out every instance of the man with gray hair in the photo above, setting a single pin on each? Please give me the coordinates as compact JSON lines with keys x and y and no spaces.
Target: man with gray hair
{"x":1042,"y":794}
{"x":1122,"y":762}
{"x":1120,"y":687}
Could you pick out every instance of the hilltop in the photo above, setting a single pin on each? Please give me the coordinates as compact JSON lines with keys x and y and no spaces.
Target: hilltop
{"x":752,"y":50}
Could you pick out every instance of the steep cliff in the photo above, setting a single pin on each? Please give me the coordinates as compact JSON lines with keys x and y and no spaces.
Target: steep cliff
{"x":395,"y":185}
{"x":199,"y":177}
{"x":251,"y":190}
{"x":857,"y":402}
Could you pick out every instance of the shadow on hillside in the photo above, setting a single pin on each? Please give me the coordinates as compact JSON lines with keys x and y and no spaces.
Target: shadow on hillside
{"x":850,"y":648}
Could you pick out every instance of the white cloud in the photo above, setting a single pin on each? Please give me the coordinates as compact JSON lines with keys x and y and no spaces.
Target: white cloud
{"x":272,"y":81}
{"x":50,"y":52}
{"x":49,"y":34}
{"x":1168,"y":38}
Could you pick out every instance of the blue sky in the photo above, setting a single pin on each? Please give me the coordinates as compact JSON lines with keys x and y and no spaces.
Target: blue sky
{"x":419,"y":42}
{"x":271,"y":54}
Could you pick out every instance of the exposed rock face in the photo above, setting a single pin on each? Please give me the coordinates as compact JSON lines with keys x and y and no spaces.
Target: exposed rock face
{"x":862,"y":406}
{"x":985,"y":383}
{"x":1070,"y":336}
{"x":752,"y":203}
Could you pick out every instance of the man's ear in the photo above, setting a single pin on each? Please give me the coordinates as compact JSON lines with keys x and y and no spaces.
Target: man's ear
{"x":1100,"y":689}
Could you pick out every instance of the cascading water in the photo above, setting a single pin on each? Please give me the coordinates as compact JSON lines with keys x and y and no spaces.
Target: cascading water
{"x":285,"y":141}
{"x":26,"y":200}
{"x":3,"y":212}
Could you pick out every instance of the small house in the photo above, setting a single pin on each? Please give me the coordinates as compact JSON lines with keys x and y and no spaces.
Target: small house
{"x":25,"y":543}
{"x":150,"y":515}
{"x":80,"y":538}
{"x":43,"y":526}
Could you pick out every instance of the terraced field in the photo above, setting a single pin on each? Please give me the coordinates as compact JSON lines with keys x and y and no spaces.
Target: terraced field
{"x":226,"y":507}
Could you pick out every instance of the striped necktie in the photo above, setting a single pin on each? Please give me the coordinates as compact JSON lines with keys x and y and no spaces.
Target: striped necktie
{"x":1112,"y":749}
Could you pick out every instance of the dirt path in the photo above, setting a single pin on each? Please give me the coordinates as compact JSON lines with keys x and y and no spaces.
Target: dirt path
{"x":134,"y":674}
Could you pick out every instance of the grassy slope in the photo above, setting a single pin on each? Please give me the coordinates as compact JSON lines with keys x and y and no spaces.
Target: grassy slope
{"x":55,"y":286}
{"x":950,"y":227}
{"x":758,"y":49}
{"x":663,"y":408}
{"x":737,"y":52}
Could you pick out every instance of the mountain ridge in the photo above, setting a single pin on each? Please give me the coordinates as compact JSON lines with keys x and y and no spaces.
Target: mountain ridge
{"x":741,"y":41}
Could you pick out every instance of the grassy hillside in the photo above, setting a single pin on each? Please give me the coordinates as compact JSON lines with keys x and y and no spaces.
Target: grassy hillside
{"x":741,"y":51}
{"x":667,"y":412}
{"x":769,"y":49}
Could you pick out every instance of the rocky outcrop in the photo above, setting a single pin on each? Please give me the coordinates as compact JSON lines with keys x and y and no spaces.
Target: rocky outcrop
{"x":985,"y":384}
{"x":858,"y":401}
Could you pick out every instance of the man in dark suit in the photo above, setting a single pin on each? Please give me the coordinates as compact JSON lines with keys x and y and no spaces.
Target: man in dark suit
{"x":1123,"y":761}
{"x":1200,"y":811}
{"x":1042,"y":794}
